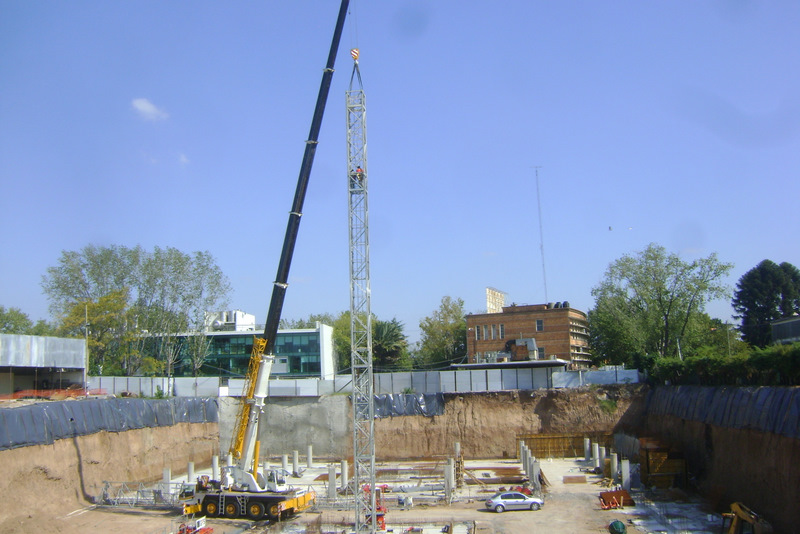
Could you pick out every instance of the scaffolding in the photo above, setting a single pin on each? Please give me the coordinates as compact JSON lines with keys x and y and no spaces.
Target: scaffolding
{"x":360,"y":312}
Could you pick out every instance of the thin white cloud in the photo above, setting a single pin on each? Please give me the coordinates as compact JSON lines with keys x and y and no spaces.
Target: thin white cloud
{"x":183,"y":159}
{"x":147,"y":110}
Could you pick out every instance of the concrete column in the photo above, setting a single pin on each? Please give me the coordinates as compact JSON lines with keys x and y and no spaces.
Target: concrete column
{"x":526,"y":456}
{"x":614,"y":466}
{"x":596,"y":454}
{"x":519,"y":449}
{"x":449,"y":478}
{"x":285,"y":462}
{"x":215,"y":467}
{"x":458,"y":449}
{"x":166,"y":475}
{"x":309,"y":456}
{"x":295,"y":461}
{"x":531,"y":468}
{"x":229,"y":460}
{"x":345,"y":473}
{"x":626,"y":473}
{"x":332,"y":482}
{"x":601,"y":452}
{"x":587,"y":449}
{"x":535,"y":469}
{"x":190,"y":472}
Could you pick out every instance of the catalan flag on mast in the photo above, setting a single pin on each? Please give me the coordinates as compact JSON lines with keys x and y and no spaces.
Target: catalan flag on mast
{"x":354,"y":53}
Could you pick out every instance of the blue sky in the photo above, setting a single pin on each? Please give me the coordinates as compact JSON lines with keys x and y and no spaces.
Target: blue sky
{"x":183,"y":124}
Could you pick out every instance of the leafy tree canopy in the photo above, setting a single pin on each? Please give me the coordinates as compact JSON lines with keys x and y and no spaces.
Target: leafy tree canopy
{"x":763,"y":294}
{"x":15,"y":321}
{"x":443,"y":339}
{"x":128,"y":293}
{"x":390,"y":345}
{"x":652,"y":303}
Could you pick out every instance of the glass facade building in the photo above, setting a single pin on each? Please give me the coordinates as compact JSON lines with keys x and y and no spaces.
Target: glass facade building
{"x":299,"y":353}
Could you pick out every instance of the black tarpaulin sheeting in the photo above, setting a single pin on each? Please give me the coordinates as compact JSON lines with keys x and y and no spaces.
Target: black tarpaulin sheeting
{"x":44,"y":422}
{"x":767,"y":409}
{"x":427,"y":404}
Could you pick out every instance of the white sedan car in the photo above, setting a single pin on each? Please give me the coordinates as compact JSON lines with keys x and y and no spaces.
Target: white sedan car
{"x":513,"y":500}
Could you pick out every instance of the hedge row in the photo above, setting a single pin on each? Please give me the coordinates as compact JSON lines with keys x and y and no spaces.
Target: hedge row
{"x":778,"y":365}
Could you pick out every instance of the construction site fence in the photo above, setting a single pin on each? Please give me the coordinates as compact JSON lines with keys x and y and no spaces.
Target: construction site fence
{"x":44,"y":422}
{"x":420,"y":382}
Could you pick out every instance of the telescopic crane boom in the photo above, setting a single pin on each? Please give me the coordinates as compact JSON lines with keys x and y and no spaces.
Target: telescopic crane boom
{"x":249,"y":493}
{"x":262,"y":356}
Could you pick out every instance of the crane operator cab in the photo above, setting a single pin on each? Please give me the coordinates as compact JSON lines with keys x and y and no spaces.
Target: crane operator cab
{"x":276,"y":480}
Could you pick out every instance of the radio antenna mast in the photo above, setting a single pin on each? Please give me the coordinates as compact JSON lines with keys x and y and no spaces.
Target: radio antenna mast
{"x":541,"y":232}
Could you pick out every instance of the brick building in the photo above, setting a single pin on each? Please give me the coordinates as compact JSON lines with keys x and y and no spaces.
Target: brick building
{"x":529,"y":332}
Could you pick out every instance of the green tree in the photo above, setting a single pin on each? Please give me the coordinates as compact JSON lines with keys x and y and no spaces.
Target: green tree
{"x":43,"y":328}
{"x":88,"y":275}
{"x":711,"y":336}
{"x":649,"y":303}
{"x":443,"y":339}
{"x":162,"y":293}
{"x":14,"y":321}
{"x":763,"y":294}
{"x":389,"y":345}
{"x":198,"y":345}
{"x":110,"y":341}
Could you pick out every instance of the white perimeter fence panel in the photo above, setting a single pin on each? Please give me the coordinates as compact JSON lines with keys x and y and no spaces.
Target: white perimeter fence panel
{"x":417,"y":382}
{"x":603,"y":377}
{"x":201,"y":386}
{"x":141,"y":386}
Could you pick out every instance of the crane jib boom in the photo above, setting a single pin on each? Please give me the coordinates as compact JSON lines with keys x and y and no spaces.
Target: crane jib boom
{"x":279,"y":289}
{"x":262,"y":356}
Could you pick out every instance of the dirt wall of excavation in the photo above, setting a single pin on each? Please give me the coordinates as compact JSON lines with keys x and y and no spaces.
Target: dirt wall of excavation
{"x":487,"y":424}
{"x":43,"y":482}
{"x":740,"y":444}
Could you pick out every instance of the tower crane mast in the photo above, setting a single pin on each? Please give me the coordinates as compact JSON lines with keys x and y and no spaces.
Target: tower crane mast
{"x":367,"y":513}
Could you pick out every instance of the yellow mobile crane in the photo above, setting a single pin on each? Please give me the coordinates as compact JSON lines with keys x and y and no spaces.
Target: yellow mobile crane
{"x":244,"y":490}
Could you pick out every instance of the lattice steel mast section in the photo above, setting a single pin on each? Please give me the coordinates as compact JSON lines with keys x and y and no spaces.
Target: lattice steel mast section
{"x":360,"y":312}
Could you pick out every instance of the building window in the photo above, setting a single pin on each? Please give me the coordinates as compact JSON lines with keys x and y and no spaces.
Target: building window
{"x":541,"y":352}
{"x":502,"y":331}
{"x":539,"y":325}
{"x":478,"y":333}
{"x":485,"y":331}
{"x":494,"y":331}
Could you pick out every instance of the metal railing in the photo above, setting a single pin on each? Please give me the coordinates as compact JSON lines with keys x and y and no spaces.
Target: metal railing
{"x":138,"y":494}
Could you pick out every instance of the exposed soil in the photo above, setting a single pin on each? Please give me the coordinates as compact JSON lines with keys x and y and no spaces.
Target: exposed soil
{"x":487,"y":424}
{"x":45,"y":485}
{"x":51,"y":481}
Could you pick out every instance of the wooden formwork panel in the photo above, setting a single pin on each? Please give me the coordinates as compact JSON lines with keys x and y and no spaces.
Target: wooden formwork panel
{"x":663,"y":468}
{"x":562,"y":445}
